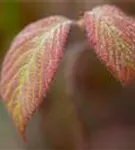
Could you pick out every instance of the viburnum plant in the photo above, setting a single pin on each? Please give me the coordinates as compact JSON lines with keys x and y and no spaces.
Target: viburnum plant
{"x":35,"y":53}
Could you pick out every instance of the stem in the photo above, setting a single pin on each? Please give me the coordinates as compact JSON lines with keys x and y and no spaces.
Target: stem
{"x":84,"y":141}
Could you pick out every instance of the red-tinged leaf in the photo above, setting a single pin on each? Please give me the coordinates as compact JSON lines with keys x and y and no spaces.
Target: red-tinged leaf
{"x":111,"y":33}
{"x":30,"y":65}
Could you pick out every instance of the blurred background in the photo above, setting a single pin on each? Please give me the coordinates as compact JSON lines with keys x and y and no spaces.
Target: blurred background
{"x":60,"y":126}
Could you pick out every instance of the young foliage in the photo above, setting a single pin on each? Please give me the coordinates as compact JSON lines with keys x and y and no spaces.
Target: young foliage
{"x":34,"y":55}
{"x":111,"y":33}
{"x":29,"y":67}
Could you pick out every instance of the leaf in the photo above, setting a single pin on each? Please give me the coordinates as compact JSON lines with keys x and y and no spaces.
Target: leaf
{"x":111,"y":33}
{"x":30,"y":65}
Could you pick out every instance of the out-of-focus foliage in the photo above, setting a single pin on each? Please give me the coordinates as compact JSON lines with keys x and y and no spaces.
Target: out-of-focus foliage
{"x":9,"y":23}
